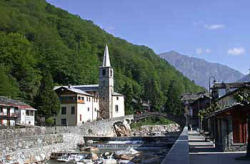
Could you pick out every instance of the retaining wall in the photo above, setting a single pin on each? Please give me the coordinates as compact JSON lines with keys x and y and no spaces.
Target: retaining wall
{"x":32,"y":144}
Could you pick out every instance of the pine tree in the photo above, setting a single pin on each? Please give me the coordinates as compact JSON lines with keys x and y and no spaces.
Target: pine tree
{"x":173,"y":104}
{"x":47,"y":101}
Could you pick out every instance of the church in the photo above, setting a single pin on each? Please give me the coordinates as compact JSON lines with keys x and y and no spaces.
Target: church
{"x":85,"y":103}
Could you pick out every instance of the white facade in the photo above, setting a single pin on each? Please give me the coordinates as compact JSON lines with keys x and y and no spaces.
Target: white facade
{"x":15,"y":112}
{"x":26,"y":117}
{"x":118,"y":106}
{"x":83,"y":108}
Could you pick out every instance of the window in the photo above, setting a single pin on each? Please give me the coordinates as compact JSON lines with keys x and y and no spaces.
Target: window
{"x":27,"y":113}
{"x":63,"y":121}
{"x":116,"y":108}
{"x":80,"y":117}
{"x":1,"y":109}
{"x":31,"y":113}
{"x":103,"y":72}
{"x":63,"y":110}
{"x":82,"y":98}
{"x":117,"y":98}
{"x":88,"y":109}
{"x":79,"y":98}
{"x":72,"y":110}
{"x":95,"y":110}
{"x":111,"y":73}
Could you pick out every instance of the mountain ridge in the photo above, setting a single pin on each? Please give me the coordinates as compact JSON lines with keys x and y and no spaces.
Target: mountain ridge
{"x":200,"y":70}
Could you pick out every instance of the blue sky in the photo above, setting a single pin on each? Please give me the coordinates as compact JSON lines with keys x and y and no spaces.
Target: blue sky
{"x":215,"y":30}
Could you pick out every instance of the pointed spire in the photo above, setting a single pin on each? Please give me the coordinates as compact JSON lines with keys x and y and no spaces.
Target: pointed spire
{"x":106,"y":61}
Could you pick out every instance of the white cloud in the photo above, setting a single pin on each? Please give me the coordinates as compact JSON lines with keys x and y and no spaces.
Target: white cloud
{"x":236,"y":51}
{"x":214,"y":26}
{"x":202,"y":51}
{"x":198,"y":51}
{"x":208,"y":51}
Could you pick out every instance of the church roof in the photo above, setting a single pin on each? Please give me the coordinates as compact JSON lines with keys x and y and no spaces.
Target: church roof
{"x":106,"y":61}
{"x":92,"y":87}
{"x":83,"y":89}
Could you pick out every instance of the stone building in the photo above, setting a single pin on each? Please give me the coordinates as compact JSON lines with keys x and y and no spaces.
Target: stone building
{"x":84,"y":103}
{"x":15,"y":112}
{"x":227,"y":124}
{"x":193,"y":103}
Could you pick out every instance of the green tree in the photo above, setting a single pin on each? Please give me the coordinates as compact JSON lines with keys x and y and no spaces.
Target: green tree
{"x":173,"y":104}
{"x":154,"y":94}
{"x":8,"y":85}
{"x":47,"y":101}
{"x":128,"y":92}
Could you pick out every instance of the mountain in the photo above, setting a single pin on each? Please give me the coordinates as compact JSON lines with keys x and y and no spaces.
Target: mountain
{"x":200,"y":70}
{"x":245,"y":78}
{"x":40,"y":44}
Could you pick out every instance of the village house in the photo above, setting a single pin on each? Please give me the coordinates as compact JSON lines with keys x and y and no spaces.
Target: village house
{"x":193,"y":103}
{"x":15,"y":112}
{"x":84,"y":103}
{"x":227,"y":123}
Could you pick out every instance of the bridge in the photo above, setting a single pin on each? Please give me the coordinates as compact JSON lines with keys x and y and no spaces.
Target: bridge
{"x":178,"y":119}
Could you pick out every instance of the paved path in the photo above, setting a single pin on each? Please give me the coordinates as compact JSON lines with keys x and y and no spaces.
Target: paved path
{"x":204,"y":152}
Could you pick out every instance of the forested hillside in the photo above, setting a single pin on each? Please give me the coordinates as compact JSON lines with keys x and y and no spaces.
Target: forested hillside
{"x":42,"y":46}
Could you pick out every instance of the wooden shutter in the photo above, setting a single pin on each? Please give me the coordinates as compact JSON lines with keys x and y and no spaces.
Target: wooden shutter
{"x":236,"y":131}
{"x":239,"y":131}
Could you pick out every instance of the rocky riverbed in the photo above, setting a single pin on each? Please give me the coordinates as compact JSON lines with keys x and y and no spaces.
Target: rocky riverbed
{"x":147,"y":144}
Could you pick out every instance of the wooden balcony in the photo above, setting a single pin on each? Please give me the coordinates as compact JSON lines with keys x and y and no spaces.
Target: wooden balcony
{"x":8,"y":116}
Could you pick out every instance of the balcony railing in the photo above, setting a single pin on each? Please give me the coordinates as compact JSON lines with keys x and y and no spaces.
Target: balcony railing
{"x":9,"y":115}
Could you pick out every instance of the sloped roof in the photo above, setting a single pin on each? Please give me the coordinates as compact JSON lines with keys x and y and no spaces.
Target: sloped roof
{"x":5,"y":101}
{"x":91,"y":87}
{"x":72,"y":89}
{"x":193,"y":96}
{"x":83,"y":89}
{"x":117,"y":94}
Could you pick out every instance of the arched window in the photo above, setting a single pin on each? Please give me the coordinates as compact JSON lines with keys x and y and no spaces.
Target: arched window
{"x":103,"y":72}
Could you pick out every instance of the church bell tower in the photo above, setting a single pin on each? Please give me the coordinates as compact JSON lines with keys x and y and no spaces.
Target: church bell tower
{"x":106,"y":87}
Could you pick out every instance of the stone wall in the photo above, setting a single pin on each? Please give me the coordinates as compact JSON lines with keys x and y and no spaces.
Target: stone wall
{"x":37,"y":143}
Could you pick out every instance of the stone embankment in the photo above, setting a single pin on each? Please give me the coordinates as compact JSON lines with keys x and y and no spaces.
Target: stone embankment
{"x":27,"y":145}
{"x":156,"y":130}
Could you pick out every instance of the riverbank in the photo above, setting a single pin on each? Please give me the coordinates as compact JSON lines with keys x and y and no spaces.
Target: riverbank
{"x":34,"y":144}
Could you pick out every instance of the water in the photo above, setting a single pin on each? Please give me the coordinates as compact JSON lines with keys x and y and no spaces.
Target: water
{"x":149,"y":147}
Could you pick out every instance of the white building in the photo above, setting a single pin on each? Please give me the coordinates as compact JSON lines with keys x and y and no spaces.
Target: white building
{"x":83,"y":103}
{"x":15,"y":112}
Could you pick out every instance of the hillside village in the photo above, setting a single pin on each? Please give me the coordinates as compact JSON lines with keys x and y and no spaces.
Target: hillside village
{"x":71,"y":91}
{"x":78,"y":103}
